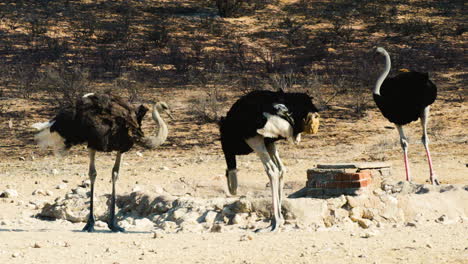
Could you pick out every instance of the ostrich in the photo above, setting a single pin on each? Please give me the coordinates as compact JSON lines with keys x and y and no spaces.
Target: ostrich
{"x":403,"y":99}
{"x":104,"y":122}
{"x":254,"y":123}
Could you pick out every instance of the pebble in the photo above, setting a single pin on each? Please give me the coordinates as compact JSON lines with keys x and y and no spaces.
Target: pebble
{"x":158,"y":234}
{"x":39,"y":192}
{"x":61,"y":186}
{"x":37,"y":245}
{"x":246,"y":238}
{"x":217,"y":228}
{"x":139,"y":154}
{"x":9,"y":193}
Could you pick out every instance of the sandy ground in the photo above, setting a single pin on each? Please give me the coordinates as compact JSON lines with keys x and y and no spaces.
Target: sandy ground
{"x":192,"y":164}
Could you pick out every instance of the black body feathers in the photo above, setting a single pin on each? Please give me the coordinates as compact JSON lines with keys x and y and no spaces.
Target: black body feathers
{"x":403,"y":97}
{"x":246,"y":116}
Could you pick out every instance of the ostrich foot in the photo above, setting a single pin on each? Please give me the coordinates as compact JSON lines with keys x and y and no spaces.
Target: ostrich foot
{"x":115,"y":228}
{"x":89,"y":227}
{"x":274,"y":227}
{"x":434,"y":180}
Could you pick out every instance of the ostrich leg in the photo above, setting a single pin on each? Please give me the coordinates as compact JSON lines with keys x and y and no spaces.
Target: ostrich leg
{"x":273,"y":152}
{"x":425,"y":141}
{"x":92,"y":177}
{"x":257,"y":143}
{"x":404,"y":146}
{"x":115,"y":175}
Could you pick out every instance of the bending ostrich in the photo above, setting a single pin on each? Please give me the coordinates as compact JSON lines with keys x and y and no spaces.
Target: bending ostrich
{"x":403,"y":99}
{"x":254,"y":123}
{"x":104,"y":122}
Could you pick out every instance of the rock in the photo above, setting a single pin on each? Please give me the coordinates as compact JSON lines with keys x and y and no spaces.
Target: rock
{"x":364,"y":223}
{"x":139,"y":154}
{"x":210,"y":217}
{"x":411,"y":224}
{"x":158,"y":234}
{"x":100,"y":224}
{"x":217,"y":228}
{"x":9,"y":193}
{"x":168,"y":226}
{"x":74,"y":209}
{"x":242,"y":206}
{"x":246,"y":238}
{"x":240,"y":219}
{"x":335,"y":203}
{"x":37,"y":245}
{"x":55,"y":171}
{"x":136,"y":188}
{"x":49,"y":193}
{"x":39,"y":192}
{"x":61,"y":186}
{"x":143,"y":223}
{"x":86,"y":183}
{"x":369,"y":234}
{"x":81,"y":192}
{"x":191,"y":227}
{"x":441,"y":219}
{"x":356,"y":213}
{"x":178,"y":213}
{"x":15,"y":255}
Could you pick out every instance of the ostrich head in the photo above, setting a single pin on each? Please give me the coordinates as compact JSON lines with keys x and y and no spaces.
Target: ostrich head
{"x":304,"y":112}
{"x":162,"y":107}
{"x":380,"y":50}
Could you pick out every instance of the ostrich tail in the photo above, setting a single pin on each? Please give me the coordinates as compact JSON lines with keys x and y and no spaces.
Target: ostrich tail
{"x":45,"y":138}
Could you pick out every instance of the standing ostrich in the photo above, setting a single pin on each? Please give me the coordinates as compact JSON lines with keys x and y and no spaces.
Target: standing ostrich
{"x":402,"y":100}
{"x":254,"y":123}
{"x":104,"y":122}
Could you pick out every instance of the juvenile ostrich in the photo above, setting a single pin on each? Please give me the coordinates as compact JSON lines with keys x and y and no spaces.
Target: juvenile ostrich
{"x":403,"y":99}
{"x":104,"y":122}
{"x":254,"y":123}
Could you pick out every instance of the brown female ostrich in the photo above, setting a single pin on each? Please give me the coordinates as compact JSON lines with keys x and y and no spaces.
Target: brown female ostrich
{"x":104,"y":122}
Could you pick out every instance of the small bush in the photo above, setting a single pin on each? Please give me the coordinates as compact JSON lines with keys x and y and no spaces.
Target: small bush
{"x":208,"y":107}
{"x":229,"y":8}
{"x":65,"y":85}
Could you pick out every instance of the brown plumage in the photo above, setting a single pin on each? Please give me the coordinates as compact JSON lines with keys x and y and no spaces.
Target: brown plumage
{"x":105,"y":122}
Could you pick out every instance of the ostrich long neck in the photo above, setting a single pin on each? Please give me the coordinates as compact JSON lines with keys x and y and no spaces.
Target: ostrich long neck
{"x":161,"y":135}
{"x":384,"y":73}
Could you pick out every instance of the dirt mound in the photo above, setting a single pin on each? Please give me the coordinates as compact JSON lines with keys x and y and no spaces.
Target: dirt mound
{"x":395,"y":203}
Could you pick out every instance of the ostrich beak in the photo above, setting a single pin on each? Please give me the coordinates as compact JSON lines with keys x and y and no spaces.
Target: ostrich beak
{"x":312,"y":123}
{"x":168,"y":112}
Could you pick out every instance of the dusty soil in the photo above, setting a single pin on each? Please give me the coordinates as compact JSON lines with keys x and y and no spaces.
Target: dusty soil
{"x":188,"y":166}
{"x":191,"y":164}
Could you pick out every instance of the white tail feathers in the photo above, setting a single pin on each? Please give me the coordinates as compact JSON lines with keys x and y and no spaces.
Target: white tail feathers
{"x":47,"y":139}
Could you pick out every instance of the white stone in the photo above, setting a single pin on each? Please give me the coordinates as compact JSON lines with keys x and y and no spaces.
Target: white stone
{"x":210,"y":217}
{"x":9,"y":193}
{"x":39,"y":192}
{"x":143,"y":222}
{"x":61,"y":186}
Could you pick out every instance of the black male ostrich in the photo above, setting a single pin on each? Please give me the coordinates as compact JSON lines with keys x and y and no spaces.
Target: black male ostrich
{"x":254,"y":123}
{"x":104,"y":122}
{"x":403,"y":99}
